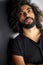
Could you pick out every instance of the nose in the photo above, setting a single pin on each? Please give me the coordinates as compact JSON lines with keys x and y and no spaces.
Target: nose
{"x":26,"y":14}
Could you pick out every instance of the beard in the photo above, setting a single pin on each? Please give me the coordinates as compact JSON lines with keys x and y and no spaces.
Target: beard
{"x":27,"y":26}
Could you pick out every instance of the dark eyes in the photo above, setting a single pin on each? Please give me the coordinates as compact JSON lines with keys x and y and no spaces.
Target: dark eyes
{"x":23,"y":13}
{"x":29,"y":10}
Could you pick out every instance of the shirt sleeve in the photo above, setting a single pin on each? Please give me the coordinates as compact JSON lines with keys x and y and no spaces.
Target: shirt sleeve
{"x":15,"y":47}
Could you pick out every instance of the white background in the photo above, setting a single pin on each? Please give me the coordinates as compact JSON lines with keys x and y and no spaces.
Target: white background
{"x":39,"y":3}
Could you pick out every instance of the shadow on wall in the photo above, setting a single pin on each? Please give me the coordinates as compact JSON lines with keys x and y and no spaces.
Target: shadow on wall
{"x":5,"y":33}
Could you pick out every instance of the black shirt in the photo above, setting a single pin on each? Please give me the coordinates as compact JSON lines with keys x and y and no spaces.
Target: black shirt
{"x":30,"y":50}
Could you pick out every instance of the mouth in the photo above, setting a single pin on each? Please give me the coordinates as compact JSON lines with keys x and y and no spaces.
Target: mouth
{"x":28,"y":21}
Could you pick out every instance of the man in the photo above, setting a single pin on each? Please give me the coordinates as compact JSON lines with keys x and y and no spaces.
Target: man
{"x":27,"y":47}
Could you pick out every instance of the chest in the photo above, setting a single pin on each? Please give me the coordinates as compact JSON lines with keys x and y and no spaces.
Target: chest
{"x":33,"y":52}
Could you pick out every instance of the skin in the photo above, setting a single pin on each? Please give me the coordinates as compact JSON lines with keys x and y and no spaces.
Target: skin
{"x":26,"y":12}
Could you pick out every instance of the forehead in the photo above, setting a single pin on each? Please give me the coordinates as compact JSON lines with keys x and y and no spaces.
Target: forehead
{"x":23,"y":7}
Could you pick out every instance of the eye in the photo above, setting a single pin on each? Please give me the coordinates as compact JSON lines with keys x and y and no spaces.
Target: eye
{"x":20,"y":13}
{"x":29,"y":10}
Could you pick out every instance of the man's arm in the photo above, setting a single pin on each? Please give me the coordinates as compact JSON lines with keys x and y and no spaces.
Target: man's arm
{"x":19,"y":60}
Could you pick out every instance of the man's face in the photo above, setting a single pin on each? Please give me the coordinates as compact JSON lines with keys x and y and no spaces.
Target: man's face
{"x":26,"y":14}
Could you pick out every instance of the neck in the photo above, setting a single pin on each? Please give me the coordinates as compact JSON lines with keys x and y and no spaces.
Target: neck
{"x":31,"y":32}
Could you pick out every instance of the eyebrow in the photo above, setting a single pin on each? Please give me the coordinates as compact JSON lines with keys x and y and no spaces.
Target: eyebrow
{"x":29,"y":8}
{"x":26,"y":9}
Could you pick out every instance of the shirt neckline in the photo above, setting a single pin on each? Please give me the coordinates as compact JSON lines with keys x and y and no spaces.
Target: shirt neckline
{"x":31,"y":39}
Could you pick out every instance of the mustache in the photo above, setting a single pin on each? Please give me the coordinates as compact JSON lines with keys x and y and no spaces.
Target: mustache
{"x":28,"y":18}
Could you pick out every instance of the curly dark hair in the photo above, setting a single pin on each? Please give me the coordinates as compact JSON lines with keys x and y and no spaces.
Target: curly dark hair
{"x":13,"y":9}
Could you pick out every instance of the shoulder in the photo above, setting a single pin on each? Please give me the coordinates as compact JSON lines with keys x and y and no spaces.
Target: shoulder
{"x":14,"y":42}
{"x":15,"y":38}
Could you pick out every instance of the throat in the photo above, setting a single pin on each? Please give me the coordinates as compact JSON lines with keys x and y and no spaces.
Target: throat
{"x":33,"y":35}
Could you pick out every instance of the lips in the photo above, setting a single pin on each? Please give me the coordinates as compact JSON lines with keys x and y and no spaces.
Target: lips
{"x":27,"y":21}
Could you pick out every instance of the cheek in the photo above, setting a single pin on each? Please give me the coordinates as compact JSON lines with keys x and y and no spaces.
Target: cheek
{"x":21,"y":18}
{"x":32,"y":15}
